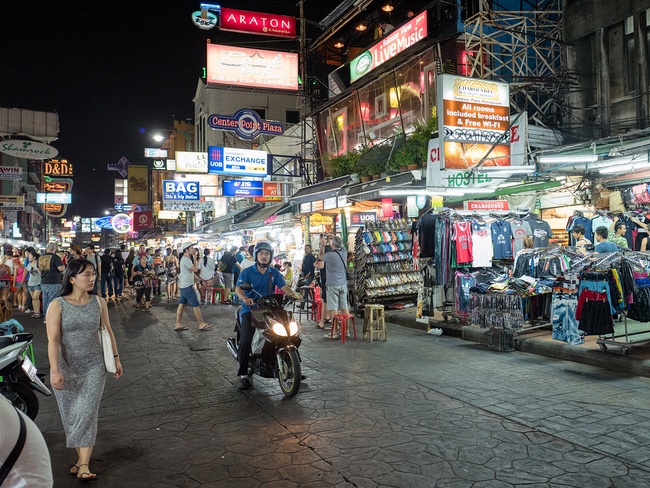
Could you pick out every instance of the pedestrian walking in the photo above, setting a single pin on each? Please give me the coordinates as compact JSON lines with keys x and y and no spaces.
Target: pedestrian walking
{"x":90,"y":255}
{"x":51,"y":269}
{"x":34,"y":282}
{"x":187,"y":293}
{"x":118,"y":274}
{"x":77,"y":370}
{"x":227,"y":268}
{"x":206,"y":273}
{"x":106,"y":263}
{"x":171,"y":264}
{"x":142,"y":276}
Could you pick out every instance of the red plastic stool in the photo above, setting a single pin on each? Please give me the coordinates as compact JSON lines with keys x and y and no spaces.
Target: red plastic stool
{"x":343,"y":325}
{"x":217,"y":290}
{"x":317,"y":310}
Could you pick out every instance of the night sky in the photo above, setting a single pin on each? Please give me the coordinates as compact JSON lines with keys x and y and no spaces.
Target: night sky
{"x":111,"y":69}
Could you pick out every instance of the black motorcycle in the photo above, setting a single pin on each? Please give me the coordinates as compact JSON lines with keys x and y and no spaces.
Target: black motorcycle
{"x":18,"y":375}
{"x":274,"y":349}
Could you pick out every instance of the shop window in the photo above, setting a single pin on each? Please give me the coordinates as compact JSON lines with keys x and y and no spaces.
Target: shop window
{"x":261,"y":112}
{"x":630,"y":56}
{"x":292,"y":117}
{"x":584,"y":66}
{"x":616,"y":61}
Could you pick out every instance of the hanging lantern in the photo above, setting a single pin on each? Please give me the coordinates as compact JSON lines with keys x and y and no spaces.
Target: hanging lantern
{"x":387,"y":208}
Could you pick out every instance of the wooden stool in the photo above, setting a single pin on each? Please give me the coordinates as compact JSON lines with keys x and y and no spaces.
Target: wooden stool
{"x":374,"y":322}
{"x":343,"y":321}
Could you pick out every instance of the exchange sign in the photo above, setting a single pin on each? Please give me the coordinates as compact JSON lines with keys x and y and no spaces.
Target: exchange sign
{"x":240,"y":162}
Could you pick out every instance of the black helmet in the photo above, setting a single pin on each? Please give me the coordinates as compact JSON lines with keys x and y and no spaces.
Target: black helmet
{"x":263,"y":246}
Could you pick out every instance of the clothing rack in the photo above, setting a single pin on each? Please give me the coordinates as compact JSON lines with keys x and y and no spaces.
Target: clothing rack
{"x":625,"y":339}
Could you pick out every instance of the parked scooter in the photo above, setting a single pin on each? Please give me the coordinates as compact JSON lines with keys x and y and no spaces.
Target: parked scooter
{"x":274,"y":350}
{"x":19,"y":375}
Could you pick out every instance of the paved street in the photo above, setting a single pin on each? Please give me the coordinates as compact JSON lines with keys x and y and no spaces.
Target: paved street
{"x":416,"y":411}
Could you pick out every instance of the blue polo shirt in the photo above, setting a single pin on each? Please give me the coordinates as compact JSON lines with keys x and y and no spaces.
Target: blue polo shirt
{"x":260,"y":283}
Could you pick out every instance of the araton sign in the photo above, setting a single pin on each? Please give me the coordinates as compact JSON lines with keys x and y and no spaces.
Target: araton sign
{"x":257,"y":23}
{"x":28,"y":149}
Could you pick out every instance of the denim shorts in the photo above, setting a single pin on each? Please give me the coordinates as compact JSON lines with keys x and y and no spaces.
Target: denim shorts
{"x":188,"y":297}
{"x":34,"y":288}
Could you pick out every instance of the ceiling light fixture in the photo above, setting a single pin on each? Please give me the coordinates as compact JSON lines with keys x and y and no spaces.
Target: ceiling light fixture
{"x":387,"y":7}
{"x":339,"y":44}
{"x":568,"y":159}
{"x":361,"y":27}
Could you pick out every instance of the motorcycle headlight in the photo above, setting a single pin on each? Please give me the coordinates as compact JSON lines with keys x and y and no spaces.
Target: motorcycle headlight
{"x":278,"y":329}
{"x":293,"y":328}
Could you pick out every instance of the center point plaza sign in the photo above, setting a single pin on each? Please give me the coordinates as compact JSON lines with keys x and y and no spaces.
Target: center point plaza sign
{"x":238,"y":162}
{"x":254,"y":68}
{"x":246,"y":123}
{"x":389,"y":46}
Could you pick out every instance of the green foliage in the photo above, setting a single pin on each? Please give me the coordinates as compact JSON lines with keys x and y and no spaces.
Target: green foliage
{"x":414,"y":149}
{"x":345,"y":164}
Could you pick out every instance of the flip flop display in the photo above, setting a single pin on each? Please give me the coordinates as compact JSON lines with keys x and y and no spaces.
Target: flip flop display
{"x":384,"y":263}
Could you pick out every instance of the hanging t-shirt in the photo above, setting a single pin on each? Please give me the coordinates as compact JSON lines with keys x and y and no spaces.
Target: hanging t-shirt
{"x":502,"y":239}
{"x":481,"y":245}
{"x":463,"y":239}
{"x":601,"y":221}
{"x":586,"y":223}
{"x":541,"y":232}
{"x":520,"y":229}
{"x":427,"y":226}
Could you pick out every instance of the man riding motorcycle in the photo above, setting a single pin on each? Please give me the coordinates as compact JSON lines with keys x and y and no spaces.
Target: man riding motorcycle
{"x":263,"y":278}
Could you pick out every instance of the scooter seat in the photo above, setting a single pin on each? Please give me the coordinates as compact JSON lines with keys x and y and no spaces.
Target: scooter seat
{"x":6,"y":341}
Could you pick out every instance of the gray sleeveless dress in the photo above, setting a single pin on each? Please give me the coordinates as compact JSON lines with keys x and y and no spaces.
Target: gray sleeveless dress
{"x":82,"y":365}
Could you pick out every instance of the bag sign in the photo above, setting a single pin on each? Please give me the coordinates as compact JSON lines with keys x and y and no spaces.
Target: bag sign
{"x":180,"y":190}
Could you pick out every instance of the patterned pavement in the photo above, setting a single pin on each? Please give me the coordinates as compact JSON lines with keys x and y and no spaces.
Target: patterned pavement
{"x":415,"y":411}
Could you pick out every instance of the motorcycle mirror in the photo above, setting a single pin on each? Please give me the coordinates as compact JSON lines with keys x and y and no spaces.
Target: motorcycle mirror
{"x":246,"y":286}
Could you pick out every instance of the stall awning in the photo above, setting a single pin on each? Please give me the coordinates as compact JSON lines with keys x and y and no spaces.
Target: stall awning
{"x":320,"y":191}
{"x":370,"y":190}
{"x":226,"y":222}
{"x":264,"y":216}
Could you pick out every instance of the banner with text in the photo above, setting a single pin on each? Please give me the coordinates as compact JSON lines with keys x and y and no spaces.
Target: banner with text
{"x":138,"y":178}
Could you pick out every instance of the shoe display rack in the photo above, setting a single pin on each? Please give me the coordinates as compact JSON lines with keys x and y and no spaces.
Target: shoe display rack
{"x":383,"y":263}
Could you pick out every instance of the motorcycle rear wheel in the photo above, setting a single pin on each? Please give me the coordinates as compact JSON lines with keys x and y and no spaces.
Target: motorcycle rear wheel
{"x":22,"y":397}
{"x":289,"y":374}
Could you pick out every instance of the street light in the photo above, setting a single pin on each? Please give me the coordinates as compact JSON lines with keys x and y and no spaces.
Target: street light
{"x":158,"y":138}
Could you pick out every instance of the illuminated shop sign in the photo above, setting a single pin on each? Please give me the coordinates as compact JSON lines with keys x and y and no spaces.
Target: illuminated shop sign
{"x":246,"y":123}
{"x":243,"y":188}
{"x":235,"y":161}
{"x":155,"y":152}
{"x":191,"y":162}
{"x":475,"y":115}
{"x":180,"y":190}
{"x":389,"y":46}
{"x":257,"y":23}
{"x":62,"y":198}
{"x":254,"y":68}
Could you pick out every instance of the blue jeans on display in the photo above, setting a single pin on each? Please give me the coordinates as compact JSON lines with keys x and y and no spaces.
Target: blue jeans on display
{"x":565,"y":325}
{"x":107,"y":280}
{"x":118,"y":285}
{"x":49,"y":292}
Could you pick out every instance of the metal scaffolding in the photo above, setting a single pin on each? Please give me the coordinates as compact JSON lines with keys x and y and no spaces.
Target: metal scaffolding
{"x":523,"y":48}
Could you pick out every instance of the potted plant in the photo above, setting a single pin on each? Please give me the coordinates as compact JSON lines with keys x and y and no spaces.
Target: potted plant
{"x":345,"y":164}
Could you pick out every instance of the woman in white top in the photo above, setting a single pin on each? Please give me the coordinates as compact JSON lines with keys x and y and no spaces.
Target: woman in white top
{"x":249,"y":260}
{"x":206,"y":273}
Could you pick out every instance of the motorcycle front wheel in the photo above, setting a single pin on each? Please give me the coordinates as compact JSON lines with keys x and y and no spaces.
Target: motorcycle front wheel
{"x":22,"y":397}
{"x":289,"y":372}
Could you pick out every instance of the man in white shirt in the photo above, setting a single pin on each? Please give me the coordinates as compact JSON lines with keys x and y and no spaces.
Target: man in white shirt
{"x":186,"y":287}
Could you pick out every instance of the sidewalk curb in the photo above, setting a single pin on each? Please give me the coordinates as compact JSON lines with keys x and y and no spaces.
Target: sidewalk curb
{"x":611,"y":360}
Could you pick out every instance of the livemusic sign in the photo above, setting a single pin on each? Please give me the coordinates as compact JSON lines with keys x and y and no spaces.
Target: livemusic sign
{"x":246,"y":123}
{"x":391,"y":45}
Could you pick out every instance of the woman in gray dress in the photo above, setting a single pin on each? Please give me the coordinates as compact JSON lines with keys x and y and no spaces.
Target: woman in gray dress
{"x":77,"y":370}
